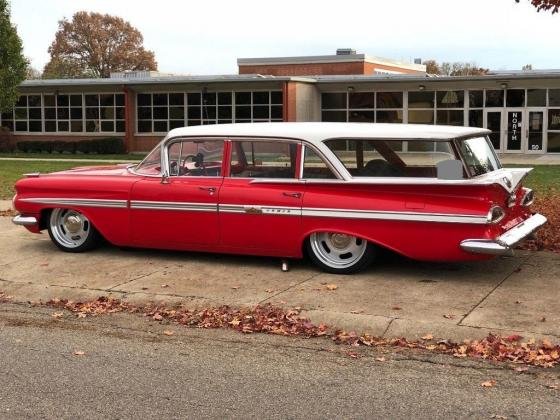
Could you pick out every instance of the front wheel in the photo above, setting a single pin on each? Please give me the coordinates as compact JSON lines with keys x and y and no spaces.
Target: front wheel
{"x":71,"y":231}
{"x":339,"y":253}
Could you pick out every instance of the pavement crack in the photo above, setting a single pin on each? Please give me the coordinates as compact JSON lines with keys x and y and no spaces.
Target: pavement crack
{"x":515,"y":270}
{"x":388,"y":326}
{"x":131,"y":280}
{"x":289,"y":287}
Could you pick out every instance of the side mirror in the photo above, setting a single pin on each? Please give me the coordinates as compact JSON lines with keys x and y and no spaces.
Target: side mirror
{"x":451,"y":169}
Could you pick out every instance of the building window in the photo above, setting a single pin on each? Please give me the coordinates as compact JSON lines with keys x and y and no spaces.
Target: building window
{"x":515,"y":97}
{"x":381,"y":107}
{"x":536,"y":97}
{"x":449,"y":104}
{"x":26,"y":117}
{"x":421,"y":107}
{"x":161,"y":112}
{"x":494,"y":98}
{"x":553,"y":97}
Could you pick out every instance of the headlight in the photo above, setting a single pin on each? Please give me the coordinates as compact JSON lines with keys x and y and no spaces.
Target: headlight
{"x":495,"y":214}
{"x":528,"y":197}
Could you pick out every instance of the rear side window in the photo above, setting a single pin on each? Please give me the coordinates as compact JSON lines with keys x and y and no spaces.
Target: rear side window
{"x":314,"y":167}
{"x":391,"y":158}
{"x":263,"y":159}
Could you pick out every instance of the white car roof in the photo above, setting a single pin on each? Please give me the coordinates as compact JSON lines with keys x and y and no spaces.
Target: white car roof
{"x":316,"y":132}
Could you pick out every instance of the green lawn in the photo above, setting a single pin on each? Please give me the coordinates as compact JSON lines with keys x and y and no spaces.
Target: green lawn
{"x":542,"y":178}
{"x":124,"y":157}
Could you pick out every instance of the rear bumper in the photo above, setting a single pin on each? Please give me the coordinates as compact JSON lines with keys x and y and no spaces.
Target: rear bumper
{"x":25,"y":220}
{"x":503,"y":245}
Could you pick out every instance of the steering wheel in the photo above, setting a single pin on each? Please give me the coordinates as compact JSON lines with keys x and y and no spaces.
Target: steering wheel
{"x":198,"y":161}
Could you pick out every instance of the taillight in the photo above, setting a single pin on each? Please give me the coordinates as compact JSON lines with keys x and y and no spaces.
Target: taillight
{"x":495,"y":214}
{"x":528,"y":197}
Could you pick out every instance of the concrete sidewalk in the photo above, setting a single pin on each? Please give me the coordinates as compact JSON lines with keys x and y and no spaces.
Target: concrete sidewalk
{"x":395,"y":297}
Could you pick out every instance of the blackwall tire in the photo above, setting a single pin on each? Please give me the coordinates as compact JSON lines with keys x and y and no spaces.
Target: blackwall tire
{"x":339,"y":253}
{"x":71,"y":231}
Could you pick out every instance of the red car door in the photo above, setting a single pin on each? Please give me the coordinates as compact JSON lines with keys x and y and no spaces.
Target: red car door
{"x":260,"y":202}
{"x":182,"y":211}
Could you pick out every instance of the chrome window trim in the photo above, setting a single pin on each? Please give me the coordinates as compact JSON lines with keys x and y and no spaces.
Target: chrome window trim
{"x":322,"y":157}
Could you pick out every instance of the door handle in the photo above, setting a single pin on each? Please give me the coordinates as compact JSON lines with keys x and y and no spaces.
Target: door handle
{"x":211,"y":190}
{"x":292,"y":194}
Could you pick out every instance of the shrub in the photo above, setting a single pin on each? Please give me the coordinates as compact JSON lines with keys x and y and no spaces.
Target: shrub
{"x":102,"y":146}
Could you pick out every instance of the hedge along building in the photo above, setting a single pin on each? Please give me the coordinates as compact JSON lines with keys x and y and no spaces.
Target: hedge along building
{"x":522,"y":109}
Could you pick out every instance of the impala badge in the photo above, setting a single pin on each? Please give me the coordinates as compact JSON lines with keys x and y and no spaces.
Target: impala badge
{"x":253,"y":210}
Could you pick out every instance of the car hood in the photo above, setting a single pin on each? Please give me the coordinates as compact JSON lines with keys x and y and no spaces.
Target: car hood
{"x":105,"y":170}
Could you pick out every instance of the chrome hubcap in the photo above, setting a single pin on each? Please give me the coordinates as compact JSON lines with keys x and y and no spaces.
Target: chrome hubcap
{"x":337,"y":250}
{"x":69,"y":227}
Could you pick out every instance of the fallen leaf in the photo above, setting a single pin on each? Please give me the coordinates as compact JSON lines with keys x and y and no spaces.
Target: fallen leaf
{"x":396,"y":308}
{"x":521,"y":369}
{"x":44,"y":265}
{"x":81,"y":315}
{"x":57,"y":314}
{"x":331,"y":286}
{"x":164,"y":286}
{"x":518,"y":302}
{"x":269,"y":290}
{"x":488,"y":384}
{"x":79,"y":353}
{"x":380,"y":359}
{"x":361,"y":311}
{"x":552,"y":386}
{"x":543,"y":319}
{"x":352,"y":354}
{"x":235,"y":322}
{"x":428,"y":337}
{"x":449,"y":316}
{"x":513,"y":337}
{"x":235,"y":287}
{"x":168,"y":332}
{"x":157,"y":317}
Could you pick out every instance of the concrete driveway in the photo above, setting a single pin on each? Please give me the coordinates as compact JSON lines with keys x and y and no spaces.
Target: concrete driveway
{"x":396,"y":297}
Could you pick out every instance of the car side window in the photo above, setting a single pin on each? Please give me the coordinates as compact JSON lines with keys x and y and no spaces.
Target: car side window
{"x":263,"y":159}
{"x":196,"y":158}
{"x":314,"y":167}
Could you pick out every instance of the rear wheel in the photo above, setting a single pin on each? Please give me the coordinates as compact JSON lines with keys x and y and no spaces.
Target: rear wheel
{"x":339,"y":253}
{"x":71,"y":231}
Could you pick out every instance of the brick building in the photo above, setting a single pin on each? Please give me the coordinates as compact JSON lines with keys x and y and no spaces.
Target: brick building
{"x":521,"y":108}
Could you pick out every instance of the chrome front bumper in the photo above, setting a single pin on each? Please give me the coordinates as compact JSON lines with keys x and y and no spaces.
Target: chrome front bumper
{"x":24,"y":220}
{"x":503,"y":245}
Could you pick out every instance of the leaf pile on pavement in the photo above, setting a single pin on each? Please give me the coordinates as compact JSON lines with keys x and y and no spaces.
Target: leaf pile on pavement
{"x":274,"y":320}
{"x":8,"y":213}
{"x":547,"y":238}
{"x":4,"y":297}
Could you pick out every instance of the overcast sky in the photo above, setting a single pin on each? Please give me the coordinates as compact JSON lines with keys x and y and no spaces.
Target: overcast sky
{"x":207,"y":36}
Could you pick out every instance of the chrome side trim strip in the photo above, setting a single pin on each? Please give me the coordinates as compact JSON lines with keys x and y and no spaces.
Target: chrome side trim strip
{"x":259,"y":209}
{"x":90,"y":202}
{"x":173,"y":205}
{"x":392,"y":215}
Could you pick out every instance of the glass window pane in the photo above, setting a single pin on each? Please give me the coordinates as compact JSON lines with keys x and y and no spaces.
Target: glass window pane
{"x":107,"y":112}
{"x":159,"y":99}
{"x":333,"y":100}
{"x":176,"y":112}
{"x":209,"y":98}
{"x":476,"y":98}
{"x":536,"y":97}
{"x":50,"y":113}
{"x":361,"y":100}
{"x":314,"y":167}
{"x":34,"y":100}
{"x":450,"y":99}
{"x":34,"y":113}
{"x":494,"y":98}
{"x":263,"y":159}
{"x":224,"y":98}
{"x":515,"y":97}
{"x":92,"y":113}
{"x":120,"y":126}
{"x":76,"y":126}
{"x":49,"y":100}
{"x":421,"y":99}
{"x":160,"y":126}
{"x":76,"y":100}
{"x":420,"y":117}
{"x":389,"y":116}
{"x":193,"y":98}
{"x":21,"y":113}
{"x":333,"y":116}
{"x":176,"y":99}
{"x":76,"y":113}
{"x":21,"y":125}
{"x":144,"y":113}
{"x":62,"y":100}
{"x":107,"y":126}
{"x":476,"y":118}
{"x":50,"y":126}
{"x":176,"y":124}
{"x":243,"y":112}
{"x":35,"y":126}
{"x":208,"y":112}
{"x":362,"y":116}
{"x":243,"y":98}
{"x":553,"y":97}
{"x":450,"y":117}
{"x":160,"y":112}
{"x":143,"y":99}
{"x":92,"y":126}
{"x":62,"y":114}
{"x":276,"y":112}
{"x":553,"y":143}
{"x":119,"y":113}
{"x":261,"y":98}
{"x":107,"y":99}
{"x":554,"y":119}
{"x":224,"y":112}
{"x":194,"y":112}
{"x":63,"y":125}
{"x":389,"y":100}
{"x":261,"y":112}
{"x":119,"y":99}
{"x":22,"y":101}
{"x":93,"y":100}
{"x":276,"y":97}
{"x":145,"y":126}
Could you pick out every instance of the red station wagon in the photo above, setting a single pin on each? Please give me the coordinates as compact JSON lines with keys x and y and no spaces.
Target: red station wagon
{"x":334,"y":191}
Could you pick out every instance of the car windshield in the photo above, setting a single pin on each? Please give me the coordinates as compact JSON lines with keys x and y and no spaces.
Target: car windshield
{"x":479,"y":155}
{"x":151,"y":165}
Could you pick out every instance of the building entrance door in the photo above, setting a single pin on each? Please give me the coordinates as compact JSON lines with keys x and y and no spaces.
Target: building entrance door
{"x":493,"y":122}
{"x":535,"y":131}
{"x":513,"y":130}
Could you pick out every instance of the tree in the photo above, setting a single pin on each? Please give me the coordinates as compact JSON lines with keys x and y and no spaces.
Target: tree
{"x":32,"y":73}
{"x":457,"y":68}
{"x":527,"y":67}
{"x":546,"y":5}
{"x":13,"y":64}
{"x":94,"y":45}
